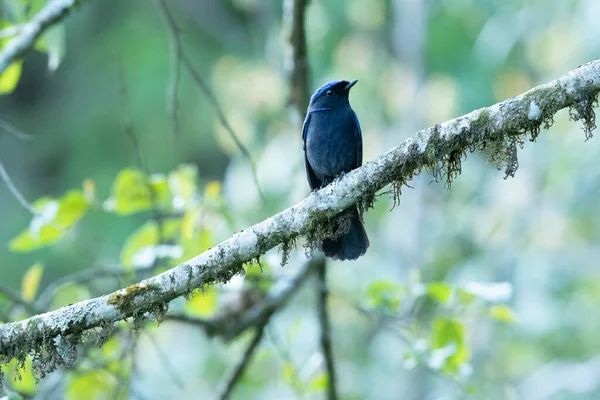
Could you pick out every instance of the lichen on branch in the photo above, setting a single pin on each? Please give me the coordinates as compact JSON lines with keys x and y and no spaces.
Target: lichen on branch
{"x":497,"y":130}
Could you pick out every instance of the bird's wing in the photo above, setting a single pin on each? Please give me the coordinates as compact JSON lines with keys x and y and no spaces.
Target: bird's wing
{"x":359,"y":145}
{"x":305,"y":128}
{"x":313,"y":181}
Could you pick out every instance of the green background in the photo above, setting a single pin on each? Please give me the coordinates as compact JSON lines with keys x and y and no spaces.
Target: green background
{"x":418,"y":63}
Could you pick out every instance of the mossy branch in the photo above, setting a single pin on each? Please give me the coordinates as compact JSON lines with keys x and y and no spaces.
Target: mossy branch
{"x":28,"y":33}
{"x":496,"y":130}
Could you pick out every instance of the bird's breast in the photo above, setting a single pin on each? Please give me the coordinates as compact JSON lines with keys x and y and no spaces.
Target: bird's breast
{"x":331,"y":143}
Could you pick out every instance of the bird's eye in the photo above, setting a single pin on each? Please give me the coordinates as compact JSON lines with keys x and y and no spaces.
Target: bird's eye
{"x":330,"y":92}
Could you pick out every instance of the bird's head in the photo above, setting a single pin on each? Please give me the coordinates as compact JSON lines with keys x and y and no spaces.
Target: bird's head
{"x":331,"y":95}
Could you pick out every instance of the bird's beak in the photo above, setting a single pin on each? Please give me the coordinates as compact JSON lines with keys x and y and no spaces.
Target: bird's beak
{"x":349,"y":85}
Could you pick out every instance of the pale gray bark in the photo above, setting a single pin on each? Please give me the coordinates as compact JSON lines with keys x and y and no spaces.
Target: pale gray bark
{"x":52,"y":13}
{"x":496,"y":129}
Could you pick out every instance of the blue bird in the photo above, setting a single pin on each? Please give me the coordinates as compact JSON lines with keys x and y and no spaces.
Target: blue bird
{"x":333,"y":146}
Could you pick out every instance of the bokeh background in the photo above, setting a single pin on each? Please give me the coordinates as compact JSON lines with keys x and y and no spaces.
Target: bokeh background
{"x":528,"y":246}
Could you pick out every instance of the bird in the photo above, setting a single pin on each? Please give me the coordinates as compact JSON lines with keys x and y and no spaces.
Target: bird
{"x":332,"y":142}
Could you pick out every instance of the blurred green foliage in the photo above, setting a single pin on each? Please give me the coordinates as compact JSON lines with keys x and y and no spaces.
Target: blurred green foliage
{"x":488,"y":290}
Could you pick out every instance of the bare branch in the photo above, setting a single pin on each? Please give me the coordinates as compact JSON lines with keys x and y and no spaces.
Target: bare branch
{"x":437,"y":149}
{"x":14,"y":131}
{"x":237,"y":373}
{"x":15,"y":192}
{"x":81,"y":277}
{"x":167,"y":364}
{"x":326,"y":345}
{"x":127,"y":123}
{"x":297,"y":54}
{"x":210,"y":95}
{"x":230,"y":327}
{"x":52,"y":13}
{"x":175,"y":69}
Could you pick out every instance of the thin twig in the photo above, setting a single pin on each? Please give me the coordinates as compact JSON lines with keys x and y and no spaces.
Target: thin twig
{"x":80,"y":277}
{"x":167,"y":364}
{"x":133,"y":370}
{"x":211,"y":327}
{"x":222,"y":119}
{"x":15,"y":192}
{"x":507,"y":120}
{"x":14,"y":131}
{"x":127,"y":123}
{"x":324,"y":323}
{"x":284,"y":355}
{"x":280,"y":293}
{"x":230,"y":382}
{"x":210,"y":95}
{"x":175,"y":68}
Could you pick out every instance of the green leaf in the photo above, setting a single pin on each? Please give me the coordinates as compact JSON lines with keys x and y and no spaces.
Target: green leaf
{"x":319,"y":382}
{"x":111,"y":352}
{"x":385,"y":295}
{"x":502,"y":313}
{"x":73,"y":207}
{"x":133,"y":192}
{"x":34,"y":6}
{"x":203,"y":304}
{"x":53,"y":218}
{"x":258,"y":276}
{"x":212,"y":191}
{"x":493,"y":292}
{"x":69,"y":293}
{"x":31,"y":282}
{"x":98,"y":384}
{"x":21,"y":379}
{"x":289,"y":374}
{"x":53,"y":43}
{"x":447,"y":344}
{"x":464,"y":297}
{"x":195,"y":237}
{"x":439,"y":291}
{"x":145,"y":236}
{"x":10,"y":77}
{"x":26,"y":242}
{"x":142,"y":247}
{"x":182,"y":184}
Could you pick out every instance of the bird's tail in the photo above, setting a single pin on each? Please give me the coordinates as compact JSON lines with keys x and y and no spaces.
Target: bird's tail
{"x":351,"y":244}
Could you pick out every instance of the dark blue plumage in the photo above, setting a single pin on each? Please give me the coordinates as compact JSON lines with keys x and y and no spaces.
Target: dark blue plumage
{"x":332,"y":146}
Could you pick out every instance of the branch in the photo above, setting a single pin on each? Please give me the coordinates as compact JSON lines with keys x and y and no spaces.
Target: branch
{"x":181,"y":57}
{"x":297,"y":54}
{"x":127,"y":123}
{"x":237,"y":373}
{"x":230,"y":327}
{"x":326,"y":346}
{"x":52,"y":13}
{"x":15,"y":192}
{"x":81,"y":277}
{"x":175,"y":47}
{"x":167,"y":364}
{"x":438,"y":150}
{"x":14,"y":131}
